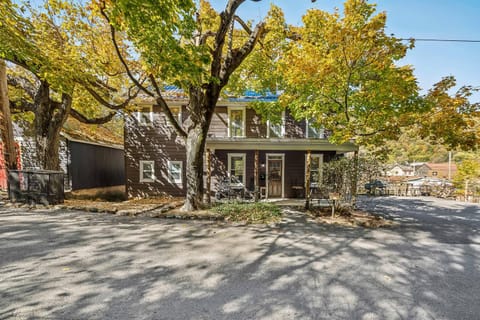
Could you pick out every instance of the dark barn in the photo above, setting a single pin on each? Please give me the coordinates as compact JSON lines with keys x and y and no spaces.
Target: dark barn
{"x":92,"y":165}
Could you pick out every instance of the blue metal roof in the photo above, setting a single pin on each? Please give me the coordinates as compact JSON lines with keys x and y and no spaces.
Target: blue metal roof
{"x":248,"y":96}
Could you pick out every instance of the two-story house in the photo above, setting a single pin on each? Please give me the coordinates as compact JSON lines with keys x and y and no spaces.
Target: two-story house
{"x":241,"y":150}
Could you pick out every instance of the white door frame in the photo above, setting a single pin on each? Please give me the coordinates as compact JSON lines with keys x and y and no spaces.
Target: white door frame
{"x":277,"y":155}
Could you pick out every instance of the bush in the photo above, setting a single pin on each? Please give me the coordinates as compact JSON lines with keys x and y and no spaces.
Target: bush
{"x":258,"y":212}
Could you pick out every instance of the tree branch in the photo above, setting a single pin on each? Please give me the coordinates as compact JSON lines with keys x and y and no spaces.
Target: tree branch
{"x":226,"y":18}
{"x":109,"y":105}
{"x":22,"y":83}
{"x":24,"y":64}
{"x":100,"y":120}
{"x":205,"y":36}
{"x":239,"y":54}
{"x":22,"y":105}
{"x":163,"y":104}
{"x":243,"y":24}
{"x":119,"y":54}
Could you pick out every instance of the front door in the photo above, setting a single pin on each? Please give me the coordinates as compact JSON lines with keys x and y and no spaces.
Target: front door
{"x":275,"y":178}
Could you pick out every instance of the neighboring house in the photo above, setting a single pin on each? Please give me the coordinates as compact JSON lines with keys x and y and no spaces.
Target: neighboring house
{"x":438,"y":170}
{"x":400,"y":171}
{"x":418,"y":182}
{"x":86,"y":164}
{"x":239,"y":148}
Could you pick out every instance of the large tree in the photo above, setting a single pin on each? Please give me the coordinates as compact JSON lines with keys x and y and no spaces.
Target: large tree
{"x":194,"y":48}
{"x":57,"y":58}
{"x":342,"y":72}
{"x":452,"y":119}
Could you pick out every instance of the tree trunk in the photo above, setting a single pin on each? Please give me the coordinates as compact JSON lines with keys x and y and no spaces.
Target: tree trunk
{"x":201,"y":107}
{"x":6,"y":127}
{"x":195,"y":145}
{"x":49,"y":119}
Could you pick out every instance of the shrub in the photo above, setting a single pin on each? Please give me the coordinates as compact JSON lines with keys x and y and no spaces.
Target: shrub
{"x":258,"y":212}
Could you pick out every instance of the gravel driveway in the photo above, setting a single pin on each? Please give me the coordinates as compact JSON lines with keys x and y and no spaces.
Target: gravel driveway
{"x":75,"y":265}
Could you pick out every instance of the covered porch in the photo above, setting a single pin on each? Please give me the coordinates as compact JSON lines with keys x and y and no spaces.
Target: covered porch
{"x":269,"y":169}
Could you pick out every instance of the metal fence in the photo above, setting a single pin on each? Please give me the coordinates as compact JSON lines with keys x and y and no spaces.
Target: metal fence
{"x":36,"y":186}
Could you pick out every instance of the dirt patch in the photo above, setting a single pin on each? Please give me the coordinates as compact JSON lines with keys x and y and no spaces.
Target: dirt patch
{"x":353,"y":218}
{"x":111,"y":194}
{"x":129,"y":207}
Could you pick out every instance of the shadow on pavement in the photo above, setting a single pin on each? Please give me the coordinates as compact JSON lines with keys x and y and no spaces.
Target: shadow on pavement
{"x":95,"y":266}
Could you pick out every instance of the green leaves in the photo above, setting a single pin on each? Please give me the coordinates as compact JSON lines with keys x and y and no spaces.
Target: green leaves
{"x":161,"y":34}
{"x":343,"y":71}
{"x":451,"y":119}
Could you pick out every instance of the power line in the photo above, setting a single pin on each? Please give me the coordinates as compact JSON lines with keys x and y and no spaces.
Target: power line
{"x":440,"y":40}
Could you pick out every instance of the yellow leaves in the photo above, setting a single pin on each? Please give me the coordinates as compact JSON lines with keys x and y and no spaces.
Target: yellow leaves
{"x":210,"y":19}
{"x":343,"y":68}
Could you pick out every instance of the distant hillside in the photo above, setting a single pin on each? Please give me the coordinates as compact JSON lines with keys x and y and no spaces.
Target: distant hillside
{"x":411,"y":148}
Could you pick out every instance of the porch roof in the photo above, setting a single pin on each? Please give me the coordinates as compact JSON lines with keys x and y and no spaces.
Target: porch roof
{"x":279,"y":144}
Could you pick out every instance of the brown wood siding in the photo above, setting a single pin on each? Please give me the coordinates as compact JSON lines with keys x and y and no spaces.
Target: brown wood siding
{"x":294,"y":129}
{"x":254,"y":126}
{"x":219,"y":124}
{"x":156,"y":142}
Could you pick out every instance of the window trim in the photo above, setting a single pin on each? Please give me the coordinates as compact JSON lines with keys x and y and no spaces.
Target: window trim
{"x":141,"y":171}
{"x":244,"y":120}
{"x":179,"y":116}
{"x":307,"y":126}
{"x":282,"y":127}
{"x":320,"y":168}
{"x":244,"y":157}
{"x":139,"y":118}
{"x":169,"y":170}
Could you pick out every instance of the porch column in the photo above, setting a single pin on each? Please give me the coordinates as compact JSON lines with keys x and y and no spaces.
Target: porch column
{"x":355,"y":178}
{"x":209,"y":175}
{"x":255,"y":177}
{"x":307,"y":180}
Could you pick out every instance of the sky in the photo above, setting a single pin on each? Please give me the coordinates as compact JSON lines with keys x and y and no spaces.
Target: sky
{"x":440,"y":19}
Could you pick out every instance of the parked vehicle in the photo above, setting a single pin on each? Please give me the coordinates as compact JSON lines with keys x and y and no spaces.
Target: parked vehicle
{"x":374,"y":185}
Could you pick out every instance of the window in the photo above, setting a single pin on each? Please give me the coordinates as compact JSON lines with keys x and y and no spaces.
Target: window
{"x":312,"y":131}
{"x":316,"y":170}
{"x":147,"y":171}
{"x":276,"y":130}
{"x":236,"y":168}
{"x":175,"y":171}
{"x":144,"y":115}
{"x":236,"y":122}
{"x":177,"y":114}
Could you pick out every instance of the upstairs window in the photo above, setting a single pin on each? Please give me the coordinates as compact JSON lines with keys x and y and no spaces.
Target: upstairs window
{"x":147,"y":171}
{"x":175,"y":171}
{"x":276,"y":129}
{"x":144,"y":115}
{"x":177,"y":114}
{"x":313,"y":131}
{"x":236,"y":122}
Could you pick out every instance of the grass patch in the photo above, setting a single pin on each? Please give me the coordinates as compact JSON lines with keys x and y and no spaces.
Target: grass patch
{"x":259,"y":212}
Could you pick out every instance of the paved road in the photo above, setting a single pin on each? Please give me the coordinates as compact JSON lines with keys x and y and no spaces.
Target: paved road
{"x":95,"y":266}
